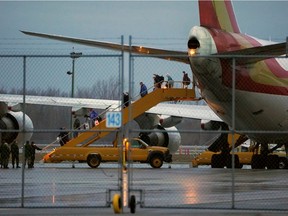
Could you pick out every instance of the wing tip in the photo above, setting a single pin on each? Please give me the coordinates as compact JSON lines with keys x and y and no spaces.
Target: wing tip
{"x":24,"y":32}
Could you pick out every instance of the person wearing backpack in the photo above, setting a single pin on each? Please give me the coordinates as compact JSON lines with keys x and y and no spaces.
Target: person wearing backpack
{"x":158,"y":80}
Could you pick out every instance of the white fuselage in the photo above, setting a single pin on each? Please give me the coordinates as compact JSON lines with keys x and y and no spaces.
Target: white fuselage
{"x":262,"y":116}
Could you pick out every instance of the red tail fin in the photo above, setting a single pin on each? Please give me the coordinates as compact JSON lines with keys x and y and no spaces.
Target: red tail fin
{"x":218,"y":14}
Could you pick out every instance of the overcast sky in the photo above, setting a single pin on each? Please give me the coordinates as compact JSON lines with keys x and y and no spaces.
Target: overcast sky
{"x":141,"y":19}
{"x":163,"y":24}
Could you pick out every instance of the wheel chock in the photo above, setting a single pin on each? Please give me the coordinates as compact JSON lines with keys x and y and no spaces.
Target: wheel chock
{"x":117,"y":204}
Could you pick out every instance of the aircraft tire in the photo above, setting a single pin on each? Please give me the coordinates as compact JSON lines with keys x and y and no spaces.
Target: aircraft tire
{"x":117,"y":204}
{"x":236,"y":162}
{"x":283,"y":163}
{"x":132,"y":204}
{"x":272,"y":162}
{"x":218,"y":161}
{"x":258,"y":162}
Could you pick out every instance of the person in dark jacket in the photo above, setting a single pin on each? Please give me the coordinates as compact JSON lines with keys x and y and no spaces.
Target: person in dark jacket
{"x":34,"y":147}
{"x":15,"y":154}
{"x":63,"y":136}
{"x":5,"y":154}
{"x":143,"y":89}
{"x":76,"y":126}
{"x":28,"y":154}
{"x":158,"y":80}
{"x":93,"y":115}
{"x":186,"y":80}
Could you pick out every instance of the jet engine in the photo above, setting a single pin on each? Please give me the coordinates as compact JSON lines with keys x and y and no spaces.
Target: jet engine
{"x":12,"y":125}
{"x":169,"y":121}
{"x":159,"y":136}
{"x":163,"y":137}
{"x":211,"y":125}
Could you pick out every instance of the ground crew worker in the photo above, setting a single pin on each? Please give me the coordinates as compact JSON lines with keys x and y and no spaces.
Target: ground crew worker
{"x":15,"y":154}
{"x":33,"y":151}
{"x":5,"y":154}
{"x":28,"y":154}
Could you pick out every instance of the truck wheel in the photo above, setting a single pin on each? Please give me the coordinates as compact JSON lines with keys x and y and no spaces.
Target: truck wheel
{"x":156,"y":161}
{"x":93,"y":160}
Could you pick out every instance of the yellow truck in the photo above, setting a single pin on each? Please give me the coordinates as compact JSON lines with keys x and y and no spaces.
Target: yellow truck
{"x":252,"y":154}
{"x":135,"y":150}
{"x":245,"y":158}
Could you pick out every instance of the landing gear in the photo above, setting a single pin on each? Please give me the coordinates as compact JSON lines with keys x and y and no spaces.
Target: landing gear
{"x":218,"y":161}
{"x":272,"y":162}
{"x":262,"y":161}
{"x":283,"y":163}
{"x":258,"y":162}
{"x":222,"y":160}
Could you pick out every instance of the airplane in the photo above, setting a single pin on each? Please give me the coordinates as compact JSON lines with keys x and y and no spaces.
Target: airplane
{"x":255,"y":105}
{"x":11,"y":117}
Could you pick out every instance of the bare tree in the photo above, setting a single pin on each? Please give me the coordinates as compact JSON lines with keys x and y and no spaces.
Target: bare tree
{"x":102,"y":89}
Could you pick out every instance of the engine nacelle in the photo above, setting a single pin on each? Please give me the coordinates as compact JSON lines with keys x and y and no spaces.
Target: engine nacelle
{"x":15,"y":121}
{"x":210,"y":125}
{"x":169,"y":121}
{"x":166,"y":137}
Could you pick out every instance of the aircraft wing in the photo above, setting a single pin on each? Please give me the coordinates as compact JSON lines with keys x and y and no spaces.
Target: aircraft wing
{"x":255,"y":54}
{"x":163,"y":54}
{"x":263,"y":52}
{"x":59,"y":101}
{"x":187,"y":111}
{"x":179,"y":110}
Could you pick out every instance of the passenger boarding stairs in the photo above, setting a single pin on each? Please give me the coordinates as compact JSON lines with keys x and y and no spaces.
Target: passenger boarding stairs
{"x":136,"y":108}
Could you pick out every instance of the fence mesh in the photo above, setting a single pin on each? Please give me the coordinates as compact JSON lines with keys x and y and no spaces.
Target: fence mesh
{"x":189,"y":181}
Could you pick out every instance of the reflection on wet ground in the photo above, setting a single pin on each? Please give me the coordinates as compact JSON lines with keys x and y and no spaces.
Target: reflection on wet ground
{"x":59,"y":185}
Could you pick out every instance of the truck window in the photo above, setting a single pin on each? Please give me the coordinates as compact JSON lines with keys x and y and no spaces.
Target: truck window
{"x":135,"y":144}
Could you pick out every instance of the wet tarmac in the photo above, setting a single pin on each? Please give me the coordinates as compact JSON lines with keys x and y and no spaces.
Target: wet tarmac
{"x":59,"y":189}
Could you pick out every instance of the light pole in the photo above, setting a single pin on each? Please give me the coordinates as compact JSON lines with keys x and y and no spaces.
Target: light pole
{"x":74,"y":56}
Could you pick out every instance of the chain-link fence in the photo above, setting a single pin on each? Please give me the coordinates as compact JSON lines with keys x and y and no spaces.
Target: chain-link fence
{"x":235,"y":92}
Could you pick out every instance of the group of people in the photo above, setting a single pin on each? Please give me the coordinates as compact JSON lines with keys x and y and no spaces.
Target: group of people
{"x":92,"y":119}
{"x":159,"y":80}
{"x":13,"y":149}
